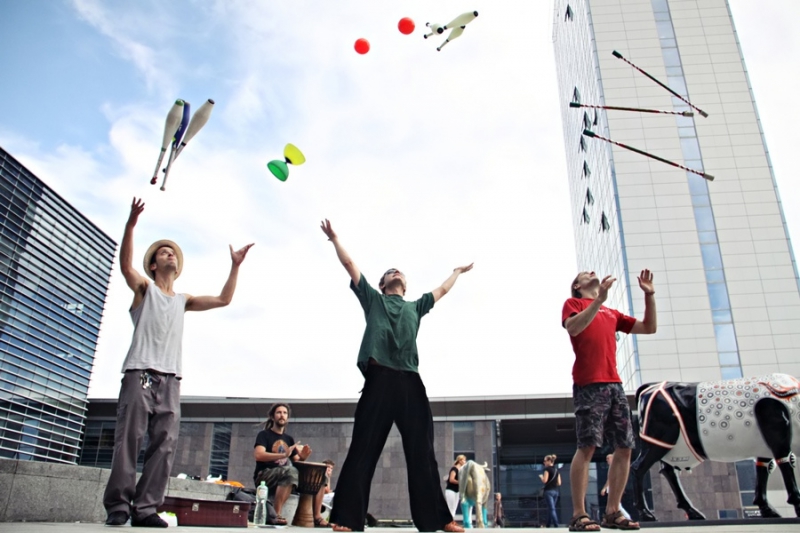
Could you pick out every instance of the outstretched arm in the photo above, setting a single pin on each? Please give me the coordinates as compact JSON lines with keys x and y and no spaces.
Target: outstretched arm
{"x":341,"y":253}
{"x":577,"y":323}
{"x":449,"y":282}
{"x":649,"y":324}
{"x":133,"y":278}
{"x":204,"y":303}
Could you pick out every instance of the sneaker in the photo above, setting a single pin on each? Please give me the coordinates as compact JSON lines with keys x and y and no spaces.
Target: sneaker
{"x":117,"y":518}
{"x":452,"y":527}
{"x":151,"y":520}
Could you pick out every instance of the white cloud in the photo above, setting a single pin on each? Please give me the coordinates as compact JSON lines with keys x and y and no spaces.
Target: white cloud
{"x":423,"y":160}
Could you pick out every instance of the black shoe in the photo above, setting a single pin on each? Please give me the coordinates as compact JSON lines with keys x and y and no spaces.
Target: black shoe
{"x":117,"y":518}
{"x":151,"y":520}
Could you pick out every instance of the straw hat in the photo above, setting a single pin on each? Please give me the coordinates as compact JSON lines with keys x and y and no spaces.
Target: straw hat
{"x":152,"y":250}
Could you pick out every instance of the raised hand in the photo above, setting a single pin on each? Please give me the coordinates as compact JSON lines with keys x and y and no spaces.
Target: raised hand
{"x":238,"y":256}
{"x":325,"y":225}
{"x":463,"y":269}
{"x":646,"y":282}
{"x":605,"y":285}
{"x":137,"y":206}
{"x":304,"y":451}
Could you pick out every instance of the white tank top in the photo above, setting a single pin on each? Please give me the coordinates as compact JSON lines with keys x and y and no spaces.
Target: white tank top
{"x":157,"y":333}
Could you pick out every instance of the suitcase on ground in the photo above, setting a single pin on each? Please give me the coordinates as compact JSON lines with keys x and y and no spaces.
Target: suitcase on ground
{"x":191,"y":512}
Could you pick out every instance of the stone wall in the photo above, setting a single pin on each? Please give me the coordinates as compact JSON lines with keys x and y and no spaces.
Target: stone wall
{"x":710,"y":486}
{"x":32,"y":491}
{"x":389,"y":491}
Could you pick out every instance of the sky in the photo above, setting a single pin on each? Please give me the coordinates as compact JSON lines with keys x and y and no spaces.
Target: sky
{"x":422,"y":160}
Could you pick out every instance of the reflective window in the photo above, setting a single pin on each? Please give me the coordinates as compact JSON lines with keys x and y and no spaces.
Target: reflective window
{"x":690,"y":148}
{"x":220,"y":450}
{"x":728,"y":358}
{"x":726,"y":338}
{"x":731,"y":372}
{"x":712,"y":260}
{"x":718,"y":296}
{"x":704,"y":219}
{"x":671,"y":57}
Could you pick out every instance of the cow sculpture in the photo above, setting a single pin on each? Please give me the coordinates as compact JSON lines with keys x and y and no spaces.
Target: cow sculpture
{"x":683,"y":424}
{"x":474,"y":490}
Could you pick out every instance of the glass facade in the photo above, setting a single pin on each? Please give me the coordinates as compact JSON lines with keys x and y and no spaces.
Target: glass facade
{"x":599,"y":240}
{"x":220,"y":450}
{"x":721,"y":314}
{"x":54,"y":273}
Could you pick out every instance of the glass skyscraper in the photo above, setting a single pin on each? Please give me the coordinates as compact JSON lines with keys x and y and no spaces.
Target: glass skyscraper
{"x":726,"y":278}
{"x":54,"y":273}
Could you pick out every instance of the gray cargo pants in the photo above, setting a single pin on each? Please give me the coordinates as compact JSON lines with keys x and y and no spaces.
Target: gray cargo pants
{"x":152,"y":405}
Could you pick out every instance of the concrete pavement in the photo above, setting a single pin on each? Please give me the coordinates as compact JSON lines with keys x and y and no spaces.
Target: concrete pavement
{"x":52,"y":527}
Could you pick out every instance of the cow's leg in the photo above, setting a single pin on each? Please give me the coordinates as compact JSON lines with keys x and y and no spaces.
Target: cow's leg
{"x":764,"y":467}
{"x":479,"y":514}
{"x":466,"y":512}
{"x":662,"y":427}
{"x":776,"y":428}
{"x":683,"y":502}
{"x":648,"y":456}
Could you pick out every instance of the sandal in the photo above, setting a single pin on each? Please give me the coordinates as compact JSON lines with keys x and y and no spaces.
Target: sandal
{"x":583,"y":523}
{"x":343,"y":529}
{"x":321,"y":522}
{"x":617,"y":520}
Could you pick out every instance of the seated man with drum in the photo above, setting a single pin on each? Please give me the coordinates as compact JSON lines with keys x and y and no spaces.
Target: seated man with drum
{"x":274,"y":452}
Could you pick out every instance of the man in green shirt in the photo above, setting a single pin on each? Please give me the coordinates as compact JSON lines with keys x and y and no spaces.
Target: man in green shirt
{"x":393,"y":393}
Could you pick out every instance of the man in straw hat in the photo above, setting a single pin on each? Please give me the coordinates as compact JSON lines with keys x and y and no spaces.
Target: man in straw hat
{"x":393,"y":394}
{"x":149,"y":399}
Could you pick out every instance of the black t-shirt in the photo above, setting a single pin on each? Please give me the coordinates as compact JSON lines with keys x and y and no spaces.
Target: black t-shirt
{"x":552,"y":478}
{"x":273,"y":443}
{"x":452,"y":486}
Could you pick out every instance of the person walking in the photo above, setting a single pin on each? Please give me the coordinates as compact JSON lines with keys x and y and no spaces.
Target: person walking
{"x":451,"y":489}
{"x":551,"y":479}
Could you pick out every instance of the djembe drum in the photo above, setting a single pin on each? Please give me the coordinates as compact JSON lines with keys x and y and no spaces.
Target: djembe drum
{"x":311,"y":478}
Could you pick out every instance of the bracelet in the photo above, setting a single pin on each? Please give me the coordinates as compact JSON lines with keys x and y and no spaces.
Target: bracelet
{"x":649,"y":293}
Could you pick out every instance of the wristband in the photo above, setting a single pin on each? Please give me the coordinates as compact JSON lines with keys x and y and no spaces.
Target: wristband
{"x":649,"y":293}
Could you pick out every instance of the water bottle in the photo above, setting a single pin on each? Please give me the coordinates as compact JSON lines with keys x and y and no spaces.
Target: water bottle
{"x":260,"y":515}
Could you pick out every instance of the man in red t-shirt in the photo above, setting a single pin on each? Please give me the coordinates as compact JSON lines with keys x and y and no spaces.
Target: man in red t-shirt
{"x":601,"y":407}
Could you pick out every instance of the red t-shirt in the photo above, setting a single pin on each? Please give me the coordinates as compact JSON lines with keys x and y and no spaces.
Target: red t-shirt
{"x":596,"y":346}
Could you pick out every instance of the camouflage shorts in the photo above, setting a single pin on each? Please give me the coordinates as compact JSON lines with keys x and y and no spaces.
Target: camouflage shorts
{"x":602,"y":414}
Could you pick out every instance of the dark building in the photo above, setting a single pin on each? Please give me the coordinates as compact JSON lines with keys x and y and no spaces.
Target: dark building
{"x":511,"y":434}
{"x":54,"y":273}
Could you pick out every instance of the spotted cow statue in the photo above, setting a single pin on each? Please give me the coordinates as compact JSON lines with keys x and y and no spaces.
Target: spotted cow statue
{"x":683,"y":424}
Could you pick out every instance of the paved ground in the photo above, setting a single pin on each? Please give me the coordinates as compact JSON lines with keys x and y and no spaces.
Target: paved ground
{"x":49,"y":527}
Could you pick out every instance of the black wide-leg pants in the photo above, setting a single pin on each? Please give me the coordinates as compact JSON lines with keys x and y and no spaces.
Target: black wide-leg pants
{"x":391,"y":396}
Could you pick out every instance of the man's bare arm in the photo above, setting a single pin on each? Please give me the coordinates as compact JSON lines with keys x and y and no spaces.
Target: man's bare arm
{"x":341,"y":253}
{"x":204,"y":303}
{"x":649,"y":325}
{"x":576,"y":324}
{"x":261,"y":454}
{"x":445,"y":287}
{"x":136,"y":282}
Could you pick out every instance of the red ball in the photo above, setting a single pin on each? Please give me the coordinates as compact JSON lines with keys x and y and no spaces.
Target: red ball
{"x":406,"y":25}
{"x":362,"y":46}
